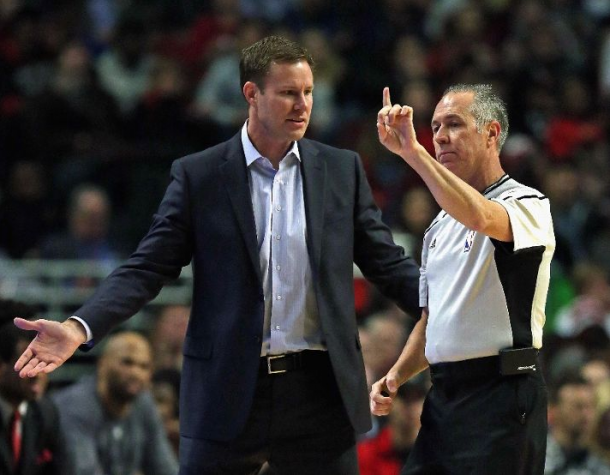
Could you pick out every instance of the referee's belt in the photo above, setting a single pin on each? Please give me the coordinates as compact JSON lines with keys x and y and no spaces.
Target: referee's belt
{"x":508,"y":362}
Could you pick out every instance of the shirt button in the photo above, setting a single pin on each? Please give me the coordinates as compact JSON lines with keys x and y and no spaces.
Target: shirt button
{"x":278,"y":208}
{"x":277,"y":327}
{"x":279,"y":297}
{"x":278,"y":267}
{"x":278,"y":237}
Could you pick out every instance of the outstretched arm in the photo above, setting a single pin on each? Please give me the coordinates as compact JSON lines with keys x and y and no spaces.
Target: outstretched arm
{"x":412,"y":361}
{"x":54,"y":343}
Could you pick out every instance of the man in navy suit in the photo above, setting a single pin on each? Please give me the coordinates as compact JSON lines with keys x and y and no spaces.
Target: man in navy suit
{"x":272,"y":224}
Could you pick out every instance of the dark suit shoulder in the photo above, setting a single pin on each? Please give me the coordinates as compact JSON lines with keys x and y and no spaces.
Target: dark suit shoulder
{"x":213,"y":154}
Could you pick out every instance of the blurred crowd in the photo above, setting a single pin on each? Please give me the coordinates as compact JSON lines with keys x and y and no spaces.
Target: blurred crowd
{"x":97,"y":97}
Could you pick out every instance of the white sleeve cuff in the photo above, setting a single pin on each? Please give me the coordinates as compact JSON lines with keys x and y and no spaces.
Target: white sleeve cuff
{"x":84,"y":324}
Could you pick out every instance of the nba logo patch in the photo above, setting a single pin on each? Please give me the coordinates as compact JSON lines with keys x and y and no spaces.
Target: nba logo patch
{"x":469,"y":239}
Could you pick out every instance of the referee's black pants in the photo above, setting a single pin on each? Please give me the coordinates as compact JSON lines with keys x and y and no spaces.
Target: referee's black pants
{"x":477,"y":422}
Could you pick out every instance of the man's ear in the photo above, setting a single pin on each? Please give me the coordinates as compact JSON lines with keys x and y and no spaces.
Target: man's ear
{"x":493,"y":132}
{"x":250,"y":91}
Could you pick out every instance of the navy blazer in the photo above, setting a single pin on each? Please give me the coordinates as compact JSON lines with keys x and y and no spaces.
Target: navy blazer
{"x":206,"y":218}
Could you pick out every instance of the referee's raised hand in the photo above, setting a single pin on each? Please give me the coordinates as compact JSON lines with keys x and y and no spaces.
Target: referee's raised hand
{"x":395,"y":126}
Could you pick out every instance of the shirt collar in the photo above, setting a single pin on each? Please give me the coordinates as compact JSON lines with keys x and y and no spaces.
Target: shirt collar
{"x":252,"y":154}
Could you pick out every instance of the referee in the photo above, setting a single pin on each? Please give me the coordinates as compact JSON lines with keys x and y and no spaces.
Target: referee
{"x":484,"y":280}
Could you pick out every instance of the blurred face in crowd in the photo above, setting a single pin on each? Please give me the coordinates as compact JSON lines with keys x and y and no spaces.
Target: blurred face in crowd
{"x":15,"y":389}
{"x":280,"y":109}
{"x":575,"y":411}
{"x":126,"y":367}
{"x":89,"y":218}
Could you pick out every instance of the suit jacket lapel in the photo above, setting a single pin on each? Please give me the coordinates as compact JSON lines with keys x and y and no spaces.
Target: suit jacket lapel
{"x":235,"y":176}
{"x":314,"y":188}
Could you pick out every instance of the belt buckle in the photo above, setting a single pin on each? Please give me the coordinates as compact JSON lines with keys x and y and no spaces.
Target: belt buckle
{"x":274,"y":357}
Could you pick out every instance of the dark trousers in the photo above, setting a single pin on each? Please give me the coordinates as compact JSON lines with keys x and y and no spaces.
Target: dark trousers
{"x":298,"y":425}
{"x":477,"y":422}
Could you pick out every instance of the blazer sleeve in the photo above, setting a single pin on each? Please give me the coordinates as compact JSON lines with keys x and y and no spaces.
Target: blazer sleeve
{"x":381,"y":261}
{"x":159,"y":258}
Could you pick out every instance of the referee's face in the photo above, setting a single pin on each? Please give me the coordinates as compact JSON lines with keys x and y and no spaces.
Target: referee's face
{"x":458,"y":145}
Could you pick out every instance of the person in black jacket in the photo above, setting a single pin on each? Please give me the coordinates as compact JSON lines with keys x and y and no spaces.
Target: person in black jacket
{"x":29,"y":440}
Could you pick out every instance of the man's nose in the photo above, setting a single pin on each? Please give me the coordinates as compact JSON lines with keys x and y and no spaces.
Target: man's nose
{"x":440,"y":136}
{"x":300,"y":102}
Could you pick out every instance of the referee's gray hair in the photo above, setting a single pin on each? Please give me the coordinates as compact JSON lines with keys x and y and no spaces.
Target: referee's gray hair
{"x":486,"y":106}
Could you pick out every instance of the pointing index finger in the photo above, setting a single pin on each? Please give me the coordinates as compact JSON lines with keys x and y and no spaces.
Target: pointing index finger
{"x":386,"y":97}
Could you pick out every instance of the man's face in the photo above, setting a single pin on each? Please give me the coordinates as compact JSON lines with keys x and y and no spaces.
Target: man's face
{"x":128,"y":370}
{"x":575,"y":410}
{"x":15,"y":389}
{"x":458,"y":145}
{"x":282,"y":105}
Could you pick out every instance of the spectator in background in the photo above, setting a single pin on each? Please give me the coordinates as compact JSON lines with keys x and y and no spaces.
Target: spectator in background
{"x":218,"y":97}
{"x":418,"y":209}
{"x":600,"y":441}
{"x":110,"y":420}
{"x":73,"y":123}
{"x":387,"y":452}
{"x":167,"y":337}
{"x":386,"y":337}
{"x":591,"y":307}
{"x":571,"y":417}
{"x":329,"y":71}
{"x":563,"y":186}
{"x":125,"y":68}
{"x":27,"y":212}
{"x":30,"y":443}
{"x":166,"y":394}
{"x":86,"y":236}
{"x":575,"y":125}
{"x":162,"y":124}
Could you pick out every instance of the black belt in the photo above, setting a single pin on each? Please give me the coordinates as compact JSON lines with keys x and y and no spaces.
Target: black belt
{"x":278,"y":364}
{"x":518,"y":362}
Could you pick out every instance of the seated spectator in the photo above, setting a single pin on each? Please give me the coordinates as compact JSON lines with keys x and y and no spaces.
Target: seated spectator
{"x":418,"y":209}
{"x":73,"y":124}
{"x":88,"y":228}
{"x":26,"y":211}
{"x":571,"y":417}
{"x":125,"y":68}
{"x":110,"y":419}
{"x":591,"y":307}
{"x":387,"y":452}
{"x":219,"y":97}
{"x":168,"y":335}
{"x":600,"y":440}
{"x":30,"y":443}
{"x":385,"y":338}
{"x":166,"y":393}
